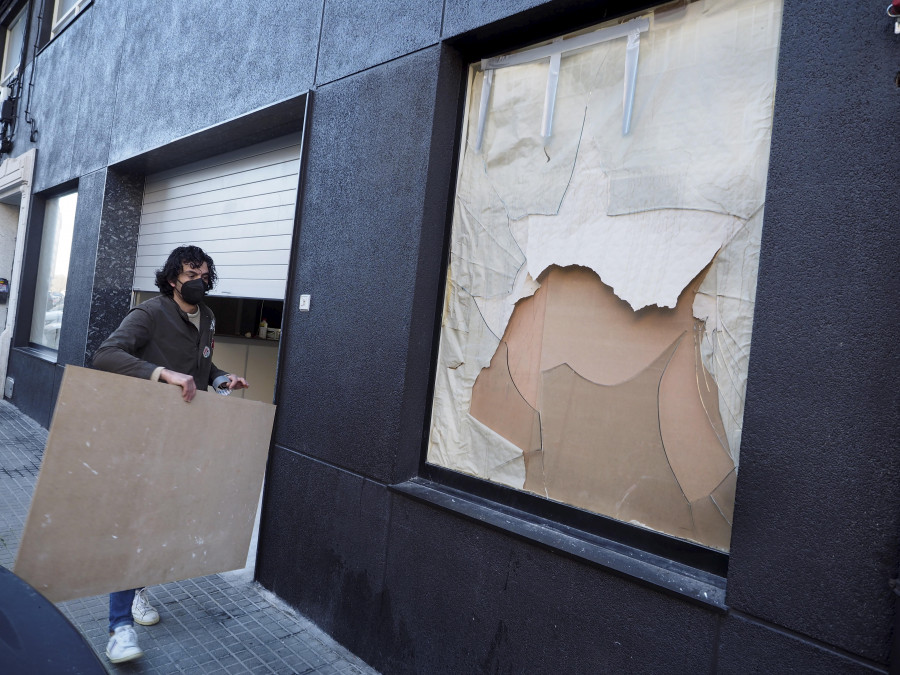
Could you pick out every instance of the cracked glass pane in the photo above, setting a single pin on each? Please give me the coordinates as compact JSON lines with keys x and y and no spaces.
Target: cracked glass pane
{"x":575,"y":320}
{"x":603,"y":452}
{"x":498,"y":404}
{"x":601,"y":286}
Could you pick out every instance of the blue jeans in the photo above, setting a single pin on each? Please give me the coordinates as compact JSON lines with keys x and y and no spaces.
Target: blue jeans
{"x":120,"y":609}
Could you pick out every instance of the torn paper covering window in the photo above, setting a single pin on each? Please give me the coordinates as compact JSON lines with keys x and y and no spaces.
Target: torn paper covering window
{"x":601,"y":286}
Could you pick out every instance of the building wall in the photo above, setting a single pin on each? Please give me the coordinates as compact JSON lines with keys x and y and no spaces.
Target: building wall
{"x":411,"y":586}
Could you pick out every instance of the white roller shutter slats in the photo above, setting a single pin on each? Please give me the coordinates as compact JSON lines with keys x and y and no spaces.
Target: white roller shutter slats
{"x":238,"y":207}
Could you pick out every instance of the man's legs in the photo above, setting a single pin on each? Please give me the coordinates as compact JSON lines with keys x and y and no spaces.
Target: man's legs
{"x":120,"y":609}
{"x":122,"y":645}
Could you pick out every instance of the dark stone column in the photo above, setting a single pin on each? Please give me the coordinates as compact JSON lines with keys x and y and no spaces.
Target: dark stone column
{"x":116,"y":250}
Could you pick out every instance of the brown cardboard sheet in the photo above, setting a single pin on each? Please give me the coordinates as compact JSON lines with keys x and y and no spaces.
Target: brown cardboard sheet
{"x":689,"y":421}
{"x":603,"y":452}
{"x":723,"y":496}
{"x":498,"y":404}
{"x":710,"y":527}
{"x":138,"y":487}
{"x":599,"y":335}
{"x":524,"y":337}
{"x":643,"y":439}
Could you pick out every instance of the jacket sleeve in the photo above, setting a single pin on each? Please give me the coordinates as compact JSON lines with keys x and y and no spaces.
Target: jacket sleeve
{"x":214,"y":372}
{"x":118,"y":353}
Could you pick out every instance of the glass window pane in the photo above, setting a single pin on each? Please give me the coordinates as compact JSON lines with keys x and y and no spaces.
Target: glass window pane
{"x":53,"y":269}
{"x":63,"y":6}
{"x":603,"y":262}
{"x":15,"y":35}
{"x":64,"y":12}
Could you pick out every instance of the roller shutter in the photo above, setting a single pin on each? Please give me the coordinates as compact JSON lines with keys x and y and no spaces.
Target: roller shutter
{"x":238,"y":207}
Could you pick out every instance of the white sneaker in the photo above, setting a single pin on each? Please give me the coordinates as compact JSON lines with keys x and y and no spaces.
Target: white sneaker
{"x":141,"y":610}
{"x":123,"y":645}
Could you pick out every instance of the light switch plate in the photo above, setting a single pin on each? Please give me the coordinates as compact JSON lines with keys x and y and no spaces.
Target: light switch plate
{"x":304,"y":303}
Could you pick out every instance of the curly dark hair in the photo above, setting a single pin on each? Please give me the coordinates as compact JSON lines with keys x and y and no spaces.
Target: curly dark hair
{"x":194,"y":257}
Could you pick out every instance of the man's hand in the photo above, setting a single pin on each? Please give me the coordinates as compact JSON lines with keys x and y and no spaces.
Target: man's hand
{"x":186,"y":382}
{"x":235,"y":382}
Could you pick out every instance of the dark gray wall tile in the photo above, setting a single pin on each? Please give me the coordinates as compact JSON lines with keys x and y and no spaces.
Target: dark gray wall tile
{"x":36,"y":385}
{"x":187,"y":66}
{"x":362,"y":219}
{"x":358,"y":35}
{"x":104,"y":26}
{"x":333,"y":526}
{"x":54,"y":105}
{"x":465,"y":15}
{"x":750,"y":648}
{"x":817,"y":518}
{"x":462,"y":598}
{"x":82,"y":264}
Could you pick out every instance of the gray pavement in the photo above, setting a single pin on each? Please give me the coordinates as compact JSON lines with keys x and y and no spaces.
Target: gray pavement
{"x":223,"y":623}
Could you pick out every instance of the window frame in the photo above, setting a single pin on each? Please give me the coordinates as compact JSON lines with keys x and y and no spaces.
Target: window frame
{"x":662,"y":560}
{"x":59,"y":23}
{"x":28,"y":282}
{"x":8,"y":74}
{"x":524,"y":514}
{"x":37,"y":268}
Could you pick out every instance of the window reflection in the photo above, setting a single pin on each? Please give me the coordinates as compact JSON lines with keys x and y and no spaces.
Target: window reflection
{"x":53,"y":269}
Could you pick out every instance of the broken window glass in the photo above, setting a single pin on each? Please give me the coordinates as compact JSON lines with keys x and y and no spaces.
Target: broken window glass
{"x":602,"y":275}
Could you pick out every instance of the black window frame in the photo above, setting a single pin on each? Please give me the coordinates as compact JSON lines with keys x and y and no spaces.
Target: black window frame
{"x":31,"y":258}
{"x":48,"y":7}
{"x":686,"y":568}
{"x":6,"y":17}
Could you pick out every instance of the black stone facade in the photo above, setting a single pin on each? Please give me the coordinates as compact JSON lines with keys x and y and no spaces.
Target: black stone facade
{"x":411,"y":586}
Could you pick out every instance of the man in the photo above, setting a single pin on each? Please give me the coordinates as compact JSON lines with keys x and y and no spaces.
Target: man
{"x":169,"y":339}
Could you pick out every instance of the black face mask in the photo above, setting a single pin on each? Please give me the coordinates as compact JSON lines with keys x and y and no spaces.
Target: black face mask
{"x":193,"y":291}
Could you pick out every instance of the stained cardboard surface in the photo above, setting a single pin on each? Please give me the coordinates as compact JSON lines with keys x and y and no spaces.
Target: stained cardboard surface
{"x":625,"y":420}
{"x":138,"y":487}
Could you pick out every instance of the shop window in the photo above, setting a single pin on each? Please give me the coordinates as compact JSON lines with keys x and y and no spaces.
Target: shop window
{"x":12,"y":47}
{"x":603,"y":260}
{"x":53,"y":269}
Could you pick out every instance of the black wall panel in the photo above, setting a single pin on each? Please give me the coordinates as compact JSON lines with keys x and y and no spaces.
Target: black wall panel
{"x":356,"y":35}
{"x":363,"y":201}
{"x":467,"y":599}
{"x":746,"y":646}
{"x":332,"y":525}
{"x":36,"y":384}
{"x":817,"y":518}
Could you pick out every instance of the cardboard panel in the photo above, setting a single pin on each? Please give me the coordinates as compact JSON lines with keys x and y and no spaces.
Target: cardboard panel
{"x":498,"y":404}
{"x":138,"y":487}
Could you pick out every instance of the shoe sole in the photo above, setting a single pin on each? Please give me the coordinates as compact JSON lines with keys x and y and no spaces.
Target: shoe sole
{"x":130,"y":657}
{"x":143,"y":622}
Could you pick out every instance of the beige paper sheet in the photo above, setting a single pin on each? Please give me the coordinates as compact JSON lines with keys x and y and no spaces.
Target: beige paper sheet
{"x":138,"y":487}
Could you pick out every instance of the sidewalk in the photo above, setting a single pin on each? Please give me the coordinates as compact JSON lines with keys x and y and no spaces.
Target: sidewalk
{"x":223,"y":623}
